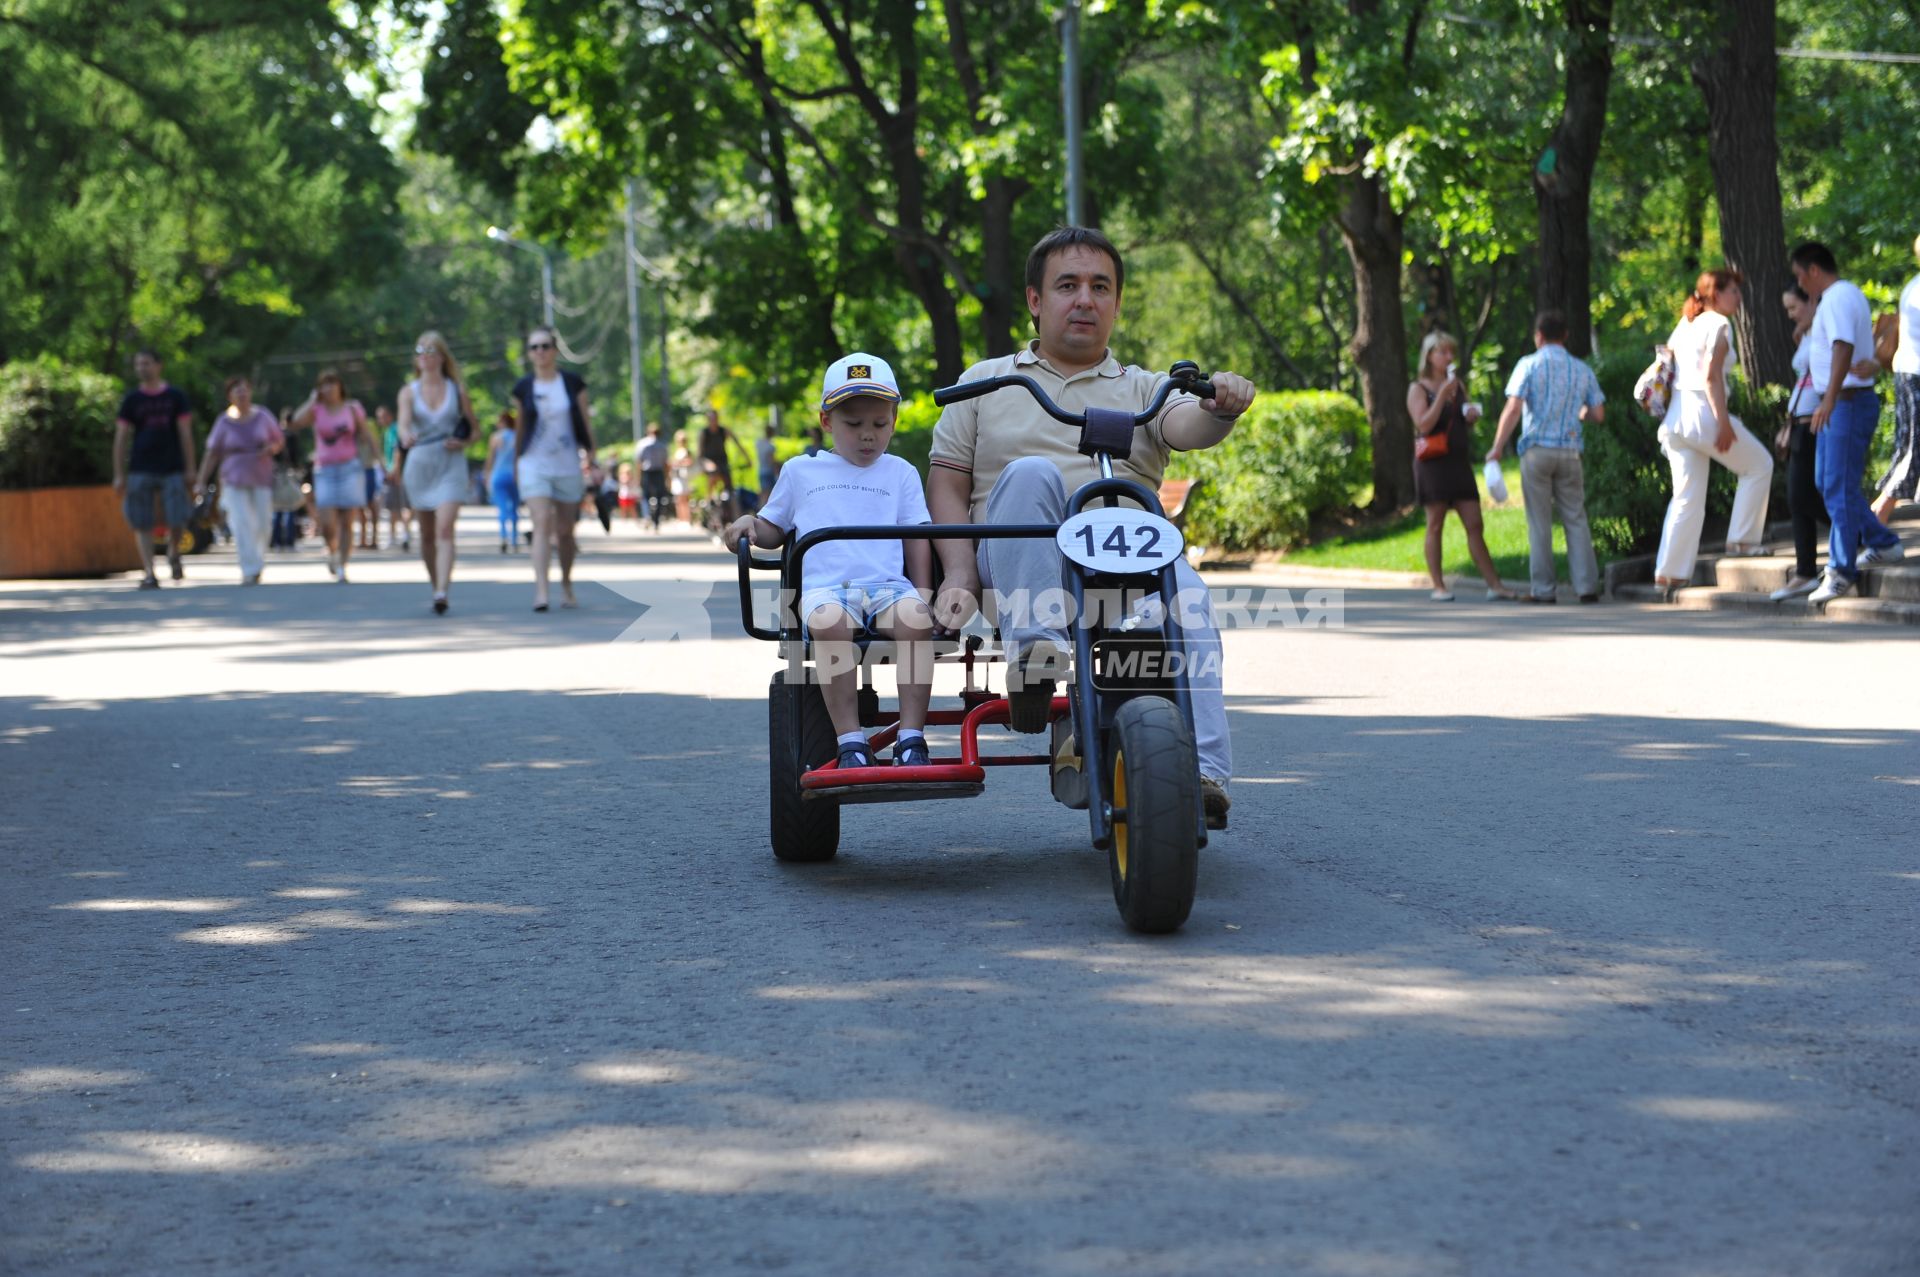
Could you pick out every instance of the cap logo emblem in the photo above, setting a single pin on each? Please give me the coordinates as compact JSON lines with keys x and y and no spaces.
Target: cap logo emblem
{"x":859,"y":372}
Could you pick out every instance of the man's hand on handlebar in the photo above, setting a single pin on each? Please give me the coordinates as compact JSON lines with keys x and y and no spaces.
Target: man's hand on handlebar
{"x":1232,"y":395}
{"x":740,"y":527}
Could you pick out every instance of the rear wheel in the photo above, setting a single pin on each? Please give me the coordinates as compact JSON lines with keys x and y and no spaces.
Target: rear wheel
{"x":802,"y":829}
{"x":1155,"y":854}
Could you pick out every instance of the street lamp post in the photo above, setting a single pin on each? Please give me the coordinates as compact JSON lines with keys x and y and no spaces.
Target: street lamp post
{"x":499,"y":236}
{"x":1070,"y":105}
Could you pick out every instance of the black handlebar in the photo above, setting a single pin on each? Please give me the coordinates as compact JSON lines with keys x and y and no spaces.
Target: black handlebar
{"x":1183,"y":376}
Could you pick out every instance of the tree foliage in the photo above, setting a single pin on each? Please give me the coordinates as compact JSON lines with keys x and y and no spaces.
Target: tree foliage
{"x":187,"y":176}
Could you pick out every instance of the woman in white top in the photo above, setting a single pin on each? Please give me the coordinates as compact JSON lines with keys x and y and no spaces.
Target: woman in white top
{"x":435,"y":417}
{"x":1699,"y":430}
{"x":553,"y":425}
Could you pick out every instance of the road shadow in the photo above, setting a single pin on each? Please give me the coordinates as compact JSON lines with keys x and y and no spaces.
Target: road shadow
{"x":358,"y":978}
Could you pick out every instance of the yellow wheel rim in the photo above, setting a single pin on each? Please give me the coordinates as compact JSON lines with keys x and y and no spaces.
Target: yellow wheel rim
{"x":1119,"y":800}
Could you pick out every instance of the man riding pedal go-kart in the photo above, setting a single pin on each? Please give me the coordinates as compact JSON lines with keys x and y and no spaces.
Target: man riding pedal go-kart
{"x":1001,"y":459}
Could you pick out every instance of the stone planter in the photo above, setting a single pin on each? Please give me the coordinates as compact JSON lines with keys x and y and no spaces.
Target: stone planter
{"x":63,"y":532}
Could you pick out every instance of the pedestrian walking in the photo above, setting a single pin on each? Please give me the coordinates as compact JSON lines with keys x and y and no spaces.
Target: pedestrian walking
{"x":501,"y":484}
{"x":716,"y":463}
{"x":605,"y":487}
{"x":436,"y":420}
{"x":372,"y":445}
{"x":399,"y":513}
{"x":555,"y":424}
{"x":768,"y":460}
{"x":1794,"y":444}
{"x":680,"y":483}
{"x":1443,"y":470}
{"x":1699,"y":431}
{"x":1844,"y":419}
{"x":626,"y":493}
{"x":152,"y":456}
{"x":289,"y":495}
{"x":655,"y":492}
{"x":244,"y":442}
{"x":339,"y":483}
{"x":1550,"y":397}
{"x":1902,"y":480}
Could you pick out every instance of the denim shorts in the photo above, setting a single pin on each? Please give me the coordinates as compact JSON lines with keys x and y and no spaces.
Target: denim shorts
{"x":566,"y":489}
{"x":339,"y":487}
{"x":142,"y":488}
{"x":864,"y":602}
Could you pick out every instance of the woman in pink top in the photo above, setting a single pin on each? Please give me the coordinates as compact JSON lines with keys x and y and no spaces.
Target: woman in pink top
{"x":244,"y":441}
{"x":339,"y":485}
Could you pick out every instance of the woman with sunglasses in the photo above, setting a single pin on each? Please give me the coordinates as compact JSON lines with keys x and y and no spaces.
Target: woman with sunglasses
{"x":552,"y":425}
{"x":434,"y":424}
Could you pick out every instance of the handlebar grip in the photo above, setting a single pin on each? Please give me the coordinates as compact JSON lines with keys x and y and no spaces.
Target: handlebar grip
{"x":965,"y":390}
{"x":1202,"y":388}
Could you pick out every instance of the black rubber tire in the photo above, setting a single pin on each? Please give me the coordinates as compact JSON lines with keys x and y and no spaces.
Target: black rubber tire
{"x":801,"y":830}
{"x":1154,"y":857}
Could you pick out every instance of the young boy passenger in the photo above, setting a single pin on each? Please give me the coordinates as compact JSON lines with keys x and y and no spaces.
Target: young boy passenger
{"x":847,"y":584}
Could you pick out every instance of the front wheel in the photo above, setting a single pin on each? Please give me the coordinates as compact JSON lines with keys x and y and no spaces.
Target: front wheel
{"x":799,"y":738}
{"x":1154,"y":856}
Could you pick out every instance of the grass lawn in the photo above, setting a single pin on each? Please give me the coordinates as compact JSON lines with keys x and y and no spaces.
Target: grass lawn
{"x":1400,"y":545}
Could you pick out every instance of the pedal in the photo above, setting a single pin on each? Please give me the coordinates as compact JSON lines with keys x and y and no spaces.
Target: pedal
{"x":1067,"y":772}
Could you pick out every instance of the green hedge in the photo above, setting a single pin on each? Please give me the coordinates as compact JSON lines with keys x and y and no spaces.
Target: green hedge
{"x":56,"y":425}
{"x":1292,"y":457}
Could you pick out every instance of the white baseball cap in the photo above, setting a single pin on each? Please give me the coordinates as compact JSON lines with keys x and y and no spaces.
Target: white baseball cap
{"x":858,"y":374}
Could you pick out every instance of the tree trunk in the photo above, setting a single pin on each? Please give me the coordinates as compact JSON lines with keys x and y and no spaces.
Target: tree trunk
{"x":1563,"y":179}
{"x":1738,"y":79}
{"x":1374,"y":236}
{"x":1001,"y":288}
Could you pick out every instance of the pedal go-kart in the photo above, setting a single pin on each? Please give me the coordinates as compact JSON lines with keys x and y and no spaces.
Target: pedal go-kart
{"x":1122,"y":735}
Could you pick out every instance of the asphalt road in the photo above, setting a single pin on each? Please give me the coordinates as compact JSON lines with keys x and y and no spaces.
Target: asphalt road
{"x":340,"y":938}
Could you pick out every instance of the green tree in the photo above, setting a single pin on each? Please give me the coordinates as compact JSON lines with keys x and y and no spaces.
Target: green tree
{"x":184,"y":177}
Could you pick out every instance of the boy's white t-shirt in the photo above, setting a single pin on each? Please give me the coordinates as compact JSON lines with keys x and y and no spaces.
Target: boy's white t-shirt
{"x":824,"y":491}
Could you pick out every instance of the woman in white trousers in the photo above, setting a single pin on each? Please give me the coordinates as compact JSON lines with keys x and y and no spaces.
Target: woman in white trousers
{"x":244,"y":440}
{"x":1699,"y":431}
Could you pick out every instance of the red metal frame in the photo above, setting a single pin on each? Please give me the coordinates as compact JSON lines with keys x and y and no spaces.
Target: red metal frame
{"x":970,"y":767}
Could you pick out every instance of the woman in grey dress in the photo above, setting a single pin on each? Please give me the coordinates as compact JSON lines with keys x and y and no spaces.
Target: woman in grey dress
{"x":433,"y":408}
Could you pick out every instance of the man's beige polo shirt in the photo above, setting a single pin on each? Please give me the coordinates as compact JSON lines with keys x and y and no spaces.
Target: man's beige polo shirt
{"x":984,"y":436}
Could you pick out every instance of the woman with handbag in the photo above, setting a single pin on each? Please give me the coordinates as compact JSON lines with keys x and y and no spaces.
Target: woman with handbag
{"x":1794,"y":445}
{"x":436,"y":420}
{"x":1443,"y":475}
{"x":244,"y":441}
{"x":339,"y":480}
{"x":1698,"y":431}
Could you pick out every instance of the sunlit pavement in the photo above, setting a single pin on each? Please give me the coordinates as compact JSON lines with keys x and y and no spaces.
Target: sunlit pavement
{"x":344,"y":938}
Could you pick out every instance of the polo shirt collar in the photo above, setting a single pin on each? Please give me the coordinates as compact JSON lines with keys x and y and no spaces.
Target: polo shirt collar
{"x":1030,"y":354}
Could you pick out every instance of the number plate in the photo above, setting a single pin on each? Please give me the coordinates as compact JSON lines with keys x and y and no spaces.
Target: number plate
{"x":1119,"y":540}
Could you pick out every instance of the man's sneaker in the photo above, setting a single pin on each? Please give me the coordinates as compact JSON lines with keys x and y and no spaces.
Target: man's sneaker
{"x":1214,"y":800}
{"x":855,"y":756}
{"x":1882,"y":554}
{"x":1030,"y":686}
{"x":1833,"y":587}
{"x":1798,"y":588}
{"x":149,"y":582}
{"x":912,"y":753}
{"x":173,"y":566}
